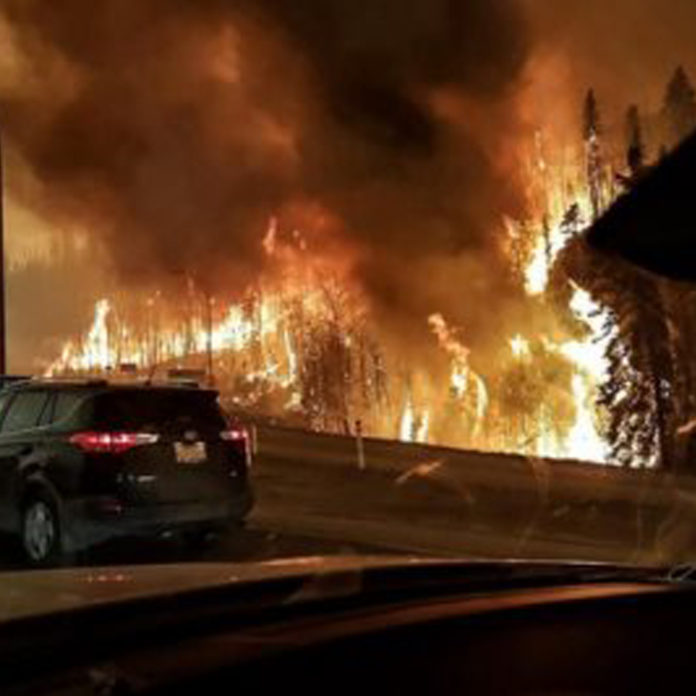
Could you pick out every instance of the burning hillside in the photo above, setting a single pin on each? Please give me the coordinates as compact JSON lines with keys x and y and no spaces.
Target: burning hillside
{"x":302,"y":346}
{"x":341,"y":211}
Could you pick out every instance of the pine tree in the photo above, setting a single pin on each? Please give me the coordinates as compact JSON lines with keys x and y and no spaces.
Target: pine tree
{"x":680,"y":305}
{"x":592,"y":129}
{"x":679,"y":110}
{"x":635,"y":149}
{"x":638,"y":394}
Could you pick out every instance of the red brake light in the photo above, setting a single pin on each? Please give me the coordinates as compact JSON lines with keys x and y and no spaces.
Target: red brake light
{"x":113,"y":443}
{"x":238,"y":434}
{"x":234,"y":435}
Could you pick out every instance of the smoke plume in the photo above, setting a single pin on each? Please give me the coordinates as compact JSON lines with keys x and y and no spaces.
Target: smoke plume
{"x":172,"y":130}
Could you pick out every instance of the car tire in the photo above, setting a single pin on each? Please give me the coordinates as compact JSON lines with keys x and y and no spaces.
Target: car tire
{"x":201,"y":541}
{"x":41,"y":535}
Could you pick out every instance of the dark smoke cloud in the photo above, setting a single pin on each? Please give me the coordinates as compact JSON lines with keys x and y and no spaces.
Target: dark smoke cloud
{"x":173,"y":129}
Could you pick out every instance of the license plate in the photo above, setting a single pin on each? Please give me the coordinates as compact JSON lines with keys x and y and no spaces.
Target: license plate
{"x":190,"y":452}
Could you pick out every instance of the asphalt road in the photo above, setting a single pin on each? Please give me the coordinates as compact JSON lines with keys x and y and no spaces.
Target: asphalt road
{"x":444,"y":501}
{"x":250,"y":544}
{"x":313,"y":498}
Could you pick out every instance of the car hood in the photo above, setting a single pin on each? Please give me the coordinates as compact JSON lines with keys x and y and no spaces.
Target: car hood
{"x":41,"y":592}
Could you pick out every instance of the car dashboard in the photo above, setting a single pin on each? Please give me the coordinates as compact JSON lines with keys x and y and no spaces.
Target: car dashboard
{"x":580,"y":638}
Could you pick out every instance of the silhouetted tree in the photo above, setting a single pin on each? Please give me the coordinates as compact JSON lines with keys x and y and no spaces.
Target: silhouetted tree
{"x":635,"y":149}
{"x":679,"y":110}
{"x":638,"y":392}
{"x":591,"y":119}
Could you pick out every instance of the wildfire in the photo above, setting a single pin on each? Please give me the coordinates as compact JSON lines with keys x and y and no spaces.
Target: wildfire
{"x":564,"y":204}
{"x":300,"y":345}
{"x":460,"y":375}
{"x":563,"y":218}
{"x":589,"y":356}
{"x":519,"y":347}
{"x":109,"y":344}
{"x":412,"y":427}
{"x":406,"y":429}
{"x":466,"y":386}
{"x":295,"y":344}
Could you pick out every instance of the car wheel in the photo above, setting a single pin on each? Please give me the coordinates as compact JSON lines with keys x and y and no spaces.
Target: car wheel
{"x":201,"y":541}
{"x":41,"y":535}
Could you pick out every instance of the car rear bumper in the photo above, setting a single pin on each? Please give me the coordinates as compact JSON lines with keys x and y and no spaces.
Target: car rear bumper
{"x":91,"y":521}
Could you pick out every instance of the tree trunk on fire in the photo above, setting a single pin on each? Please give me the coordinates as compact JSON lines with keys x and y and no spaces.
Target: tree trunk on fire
{"x":593,"y":153}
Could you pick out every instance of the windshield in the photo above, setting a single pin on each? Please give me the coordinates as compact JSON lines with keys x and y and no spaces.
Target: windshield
{"x":318,"y":277}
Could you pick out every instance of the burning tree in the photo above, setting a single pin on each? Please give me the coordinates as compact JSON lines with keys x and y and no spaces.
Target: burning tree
{"x":644,"y":394}
{"x":297,"y":345}
{"x":340,"y":369}
{"x":649,"y":388}
{"x":638,"y":392}
{"x":593,"y":153}
{"x":679,"y":109}
{"x":467,"y":400}
{"x":533,"y":397}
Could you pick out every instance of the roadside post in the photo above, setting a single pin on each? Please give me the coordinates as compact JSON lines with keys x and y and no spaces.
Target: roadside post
{"x":254,"y":439}
{"x":360,"y":444}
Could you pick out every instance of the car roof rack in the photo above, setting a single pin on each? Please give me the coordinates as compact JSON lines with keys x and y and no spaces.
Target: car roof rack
{"x":185,"y":380}
{"x":68,"y":381}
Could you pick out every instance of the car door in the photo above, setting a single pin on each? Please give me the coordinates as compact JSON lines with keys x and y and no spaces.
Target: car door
{"x":18,"y":444}
{"x":5,"y":399}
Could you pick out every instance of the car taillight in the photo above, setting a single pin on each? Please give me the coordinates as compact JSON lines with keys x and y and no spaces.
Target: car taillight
{"x":234,"y":435}
{"x":113,"y":443}
{"x":241,"y":436}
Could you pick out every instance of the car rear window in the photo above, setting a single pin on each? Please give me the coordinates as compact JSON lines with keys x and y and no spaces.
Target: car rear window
{"x":61,"y":404}
{"x":161,"y":411}
{"x":65,"y":403}
{"x":4,"y":400}
{"x":25,"y":411}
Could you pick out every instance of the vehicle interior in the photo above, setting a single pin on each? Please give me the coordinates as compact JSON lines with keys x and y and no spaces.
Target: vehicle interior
{"x":587,"y":631}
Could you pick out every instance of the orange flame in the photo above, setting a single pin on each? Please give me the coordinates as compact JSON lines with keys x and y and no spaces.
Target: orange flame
{"x":304,"y":333}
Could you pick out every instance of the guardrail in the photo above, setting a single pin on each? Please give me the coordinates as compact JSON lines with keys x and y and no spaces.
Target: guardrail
{"x":421,"y":497}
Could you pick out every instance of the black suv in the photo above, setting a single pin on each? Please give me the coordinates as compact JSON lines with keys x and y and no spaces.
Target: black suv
{"x":81,"y":463}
